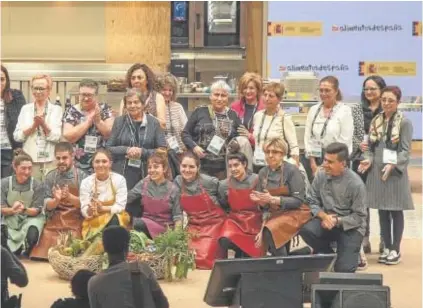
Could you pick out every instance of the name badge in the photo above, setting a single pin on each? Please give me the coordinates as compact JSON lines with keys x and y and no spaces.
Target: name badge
{"x":259,"y":159}
{"x":315,"y":148}
{"x":389,"y":157}
{"x":216,"y":145}
{"x":41,"y":148}
{"x":134,"y":163}
{"x":173,"y":144}
{"x":90,"y":144}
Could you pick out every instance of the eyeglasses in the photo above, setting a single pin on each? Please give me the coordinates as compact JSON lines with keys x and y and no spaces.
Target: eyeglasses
{"x":370,"y":89}
{"x":388,"y":101}
{"x":87,"y":95}
{"x":38,"y":89}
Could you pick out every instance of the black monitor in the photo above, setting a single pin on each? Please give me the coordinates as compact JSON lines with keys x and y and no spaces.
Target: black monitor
{"x":280,"y":277}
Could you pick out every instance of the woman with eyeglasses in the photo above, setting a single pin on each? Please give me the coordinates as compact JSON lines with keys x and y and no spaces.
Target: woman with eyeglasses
{"x":39,"y":127}
{"x":388,"y":186}
{"x":87,"y":124}
{"x":11,"y":103}
{"x":280,"y":194}
{"x":327,"y":122}
{"x":210,"y":129}
{"x":142,"y":78}
{"x":134,"y":138}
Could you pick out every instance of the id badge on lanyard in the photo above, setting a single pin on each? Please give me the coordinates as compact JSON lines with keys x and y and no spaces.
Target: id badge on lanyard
{"x":216,"y":145}
{"x":315,"y":148}
{"x":136,"y":163}
{"x":90,"y":144}
{"x":259,"y":158}
{"x":390,"y":157}
{"x":173,"y":144}
{"x":41,"y":147}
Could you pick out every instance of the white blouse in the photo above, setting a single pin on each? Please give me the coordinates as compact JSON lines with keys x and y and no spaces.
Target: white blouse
{"x":105,"y":193}
{"x":26,"y":119}
{"x":280,"y":127}
{"x":340,"y":127}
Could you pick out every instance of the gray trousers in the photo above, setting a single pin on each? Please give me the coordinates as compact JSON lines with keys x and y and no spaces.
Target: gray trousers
{"x":348,"y":244}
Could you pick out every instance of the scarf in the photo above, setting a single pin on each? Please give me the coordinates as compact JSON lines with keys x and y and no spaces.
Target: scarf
{"x":379,"y":130}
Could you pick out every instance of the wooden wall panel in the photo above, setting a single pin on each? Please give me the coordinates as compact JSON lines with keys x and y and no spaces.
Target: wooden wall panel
{"x":255,"y":24}
{"x":138,"y":32}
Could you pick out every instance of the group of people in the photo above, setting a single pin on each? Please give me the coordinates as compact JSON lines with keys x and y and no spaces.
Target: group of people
{"x":235,"y":171}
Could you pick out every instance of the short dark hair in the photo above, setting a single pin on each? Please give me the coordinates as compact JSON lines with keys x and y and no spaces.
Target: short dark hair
{"x":79,"y":283}
{"x":116,"y":240}
{"x":238,"y":156}
{"x":338,"y":148}
{"x":63,"y":146}
{"x":394,"y":90}
{"x":89,"y":83}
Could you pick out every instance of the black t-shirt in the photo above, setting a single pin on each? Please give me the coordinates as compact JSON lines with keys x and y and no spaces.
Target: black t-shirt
{"x":248,"y":115}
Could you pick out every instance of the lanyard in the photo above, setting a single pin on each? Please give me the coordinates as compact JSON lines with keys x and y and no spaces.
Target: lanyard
{"x":215,"y":122}
{"x":252,"y":116}
{"x":133,"y":130}
{"x":44,"y":115}
{"x":268,"y":128}
{"x":325,"y":124}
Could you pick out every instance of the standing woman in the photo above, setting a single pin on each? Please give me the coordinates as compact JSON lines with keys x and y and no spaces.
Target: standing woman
{"x":210,"y":129}
{"x":198,"y":198}
{"x":11,"y":103}
{"x":103,"y":196}
{"x":39,"y":127}
{"x":273,"y":122}
{"x":244,"y":220}
{"x":134,"y":138}
{"x":388,"y":186}
{"x":250,"y":89}
{"x":281,"y":195}
{"x":158,"y":197}
{"x":327,"y":122}
{"x":142,"y":78}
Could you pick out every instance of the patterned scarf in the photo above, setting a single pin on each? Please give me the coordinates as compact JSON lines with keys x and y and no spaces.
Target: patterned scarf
{"x":378,"y":128}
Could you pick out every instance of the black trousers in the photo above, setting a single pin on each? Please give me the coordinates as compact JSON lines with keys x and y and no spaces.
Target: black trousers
{"x":140,"y":226}
{"x":31,"y":239}
{"x":226,"y":244}
{"x":269,"y":245}
{"x":391,"y":222}
{"x":348,"y":244}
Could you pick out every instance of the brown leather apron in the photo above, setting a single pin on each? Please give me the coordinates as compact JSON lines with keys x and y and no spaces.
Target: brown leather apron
{"x":284,"y":225}
{"x":65,"y":217}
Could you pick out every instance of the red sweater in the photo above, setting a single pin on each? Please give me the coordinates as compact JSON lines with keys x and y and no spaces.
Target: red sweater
{"x":239,"y":108}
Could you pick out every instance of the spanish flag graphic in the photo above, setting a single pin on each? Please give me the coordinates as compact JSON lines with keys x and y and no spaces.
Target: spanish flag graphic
{"x":417,"y":28}
{"x":294,"y":28}
{"x":367,"y":68}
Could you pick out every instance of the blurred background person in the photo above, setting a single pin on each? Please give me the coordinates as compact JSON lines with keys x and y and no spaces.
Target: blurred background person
{"x":142,"y":78}
{"x":388,"y":186}
{"x":88,"y":124}
{"x":209,"y":130}
{"x":11,"y":103}
{"x":39,"y":126}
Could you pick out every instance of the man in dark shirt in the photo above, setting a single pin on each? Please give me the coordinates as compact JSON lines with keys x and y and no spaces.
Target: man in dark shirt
{"x":113,"y":287}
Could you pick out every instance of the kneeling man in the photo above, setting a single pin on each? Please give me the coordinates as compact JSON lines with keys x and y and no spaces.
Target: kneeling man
{"x":337,"y":199}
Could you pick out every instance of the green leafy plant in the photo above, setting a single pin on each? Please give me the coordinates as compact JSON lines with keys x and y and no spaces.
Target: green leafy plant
{"x":173,"y":245}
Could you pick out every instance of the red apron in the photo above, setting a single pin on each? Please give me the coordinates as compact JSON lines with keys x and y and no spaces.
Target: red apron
{"x":205,"y":221}
{"x":66,"y":217}
{"x":157,"y":212}
{"x":243,"y":222}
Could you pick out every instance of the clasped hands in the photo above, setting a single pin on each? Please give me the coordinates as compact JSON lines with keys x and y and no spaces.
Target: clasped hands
{"x":94,"y":208}
{"x":134,"y":153}
{"x":265,"y":198}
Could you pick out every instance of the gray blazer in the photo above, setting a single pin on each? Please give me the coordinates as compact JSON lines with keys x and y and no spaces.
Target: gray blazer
{"x":121,"y":139}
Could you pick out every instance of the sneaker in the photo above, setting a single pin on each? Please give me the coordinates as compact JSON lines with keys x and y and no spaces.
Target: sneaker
{"x":366,"y":245}
{"x":298,"y":246}
{"x":393,"y":258}
{"x":362,"y":261}
{"x":383,"y":256}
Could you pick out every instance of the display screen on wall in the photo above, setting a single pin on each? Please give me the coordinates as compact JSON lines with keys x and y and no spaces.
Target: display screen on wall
{"x":350,"y":40}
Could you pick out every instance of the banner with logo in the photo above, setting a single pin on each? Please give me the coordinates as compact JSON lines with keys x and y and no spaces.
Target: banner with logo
{"x":350,"y":40}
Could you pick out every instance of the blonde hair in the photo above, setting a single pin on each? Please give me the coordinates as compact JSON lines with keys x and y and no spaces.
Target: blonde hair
{"x":43,"y":76}
{"x":167,"y":79}
{"x":277,"y":143}
{"x":246,"y":79}
{"x":276,"y":87}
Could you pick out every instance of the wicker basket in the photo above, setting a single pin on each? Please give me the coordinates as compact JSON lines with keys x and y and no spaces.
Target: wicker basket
{"x":66,"y":266}
{"x":155,"y":261}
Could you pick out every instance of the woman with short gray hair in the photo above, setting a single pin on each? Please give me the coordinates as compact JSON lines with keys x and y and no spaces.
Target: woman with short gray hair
{"x":210,"y":129}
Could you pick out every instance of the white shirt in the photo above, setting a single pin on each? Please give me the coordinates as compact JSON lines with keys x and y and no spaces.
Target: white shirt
{"x":340,"y":127}
{"x":26,"y":119}
{"x":275,"y":129}
{"x":105,"y":192}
